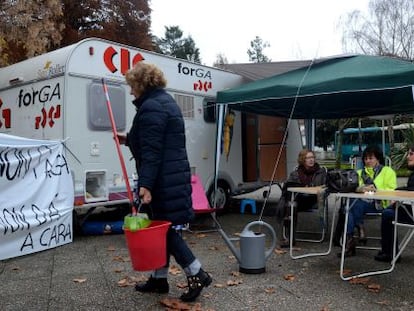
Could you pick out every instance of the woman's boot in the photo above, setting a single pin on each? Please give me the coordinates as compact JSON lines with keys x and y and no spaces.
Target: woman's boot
{"x":153,"y":285}
{"x":362,"y":237}
{"x":350,"y":246}
{"x":196,"y":283}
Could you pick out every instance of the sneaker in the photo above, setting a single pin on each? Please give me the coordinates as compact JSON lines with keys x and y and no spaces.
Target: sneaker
{"x":154,"y":285}
{"x":196,"y":283}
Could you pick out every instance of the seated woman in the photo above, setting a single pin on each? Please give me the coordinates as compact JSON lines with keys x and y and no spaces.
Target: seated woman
{"x":374,"y":176}
{"x":388,"y":216}
{"x":308,"y":173}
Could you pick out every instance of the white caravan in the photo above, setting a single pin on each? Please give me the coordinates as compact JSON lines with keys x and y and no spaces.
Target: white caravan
{"x":59,"y":95}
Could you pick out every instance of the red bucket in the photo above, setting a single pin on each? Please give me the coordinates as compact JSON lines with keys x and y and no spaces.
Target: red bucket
{"x":148,"y":246}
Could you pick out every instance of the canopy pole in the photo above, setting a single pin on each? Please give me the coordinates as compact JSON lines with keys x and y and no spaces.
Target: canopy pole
{"x":383,"y":136}
{"x":220,"y":119}
{"x":310,"y":133}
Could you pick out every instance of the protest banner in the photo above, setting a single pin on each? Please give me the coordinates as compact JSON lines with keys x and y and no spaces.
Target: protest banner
{"x":36,"y":196}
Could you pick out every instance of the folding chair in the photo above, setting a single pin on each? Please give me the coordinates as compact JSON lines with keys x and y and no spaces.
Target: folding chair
{"x":200,"y":201}
{"x":367,"y":216}
{"x":372,"y":216}
{"x":323,"y":222}
{"x":408,"y":226}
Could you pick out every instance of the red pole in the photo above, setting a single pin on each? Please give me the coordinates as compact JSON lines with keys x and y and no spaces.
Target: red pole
{"x":118,"y":147}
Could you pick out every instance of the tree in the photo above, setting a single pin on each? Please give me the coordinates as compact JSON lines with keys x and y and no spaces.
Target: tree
{"x":387,"y":30}
{"x":325,"y":133}
{"x":125,"y":21}
{"x":28,"y":28}
{"x":399,"y":155}
{"x":221,"y":61}
{"x":174,"y":44}
{"x":256,"y":51}
{"x":341,"y":125}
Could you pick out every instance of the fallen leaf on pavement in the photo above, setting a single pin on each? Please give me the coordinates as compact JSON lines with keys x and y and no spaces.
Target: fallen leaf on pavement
{"x":119,"y":270}
{"x":345,"y":272}
{"x":325,"y":308}
{"x":374,"y":288}
{"x":118,"y":258}
{"x":174,"y":270}
{"x":359,"y":281}
{"x":279,"y":251}
{"x":201,"y":235}
{"x":234,"y":282}
{"x":182,"y":285}
{"x":78,"y":280}
{"x":15,"y":268}
{"x":175,"y":304}
{"x":383,"y":302}
{"x":289,"y":277}
{"x":214,"y":248}
{"x":126,"y":281}
{"x":270,"y":290}
{"x":139,"y":278}
{"x":235,"y":273}
{"x":111,"y":248}
{"x":218,"y":285}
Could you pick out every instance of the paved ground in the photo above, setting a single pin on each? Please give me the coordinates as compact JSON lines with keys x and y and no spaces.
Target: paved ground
{"x":88,"y":274}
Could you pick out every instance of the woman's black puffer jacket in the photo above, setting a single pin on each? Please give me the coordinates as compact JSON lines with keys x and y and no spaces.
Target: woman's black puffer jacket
{"x":157,"y":142}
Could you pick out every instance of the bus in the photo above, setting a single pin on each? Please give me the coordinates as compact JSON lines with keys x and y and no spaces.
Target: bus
{"x":375,"y":135}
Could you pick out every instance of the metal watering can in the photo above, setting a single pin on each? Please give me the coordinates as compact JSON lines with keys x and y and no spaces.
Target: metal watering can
{"x":253,"y":254}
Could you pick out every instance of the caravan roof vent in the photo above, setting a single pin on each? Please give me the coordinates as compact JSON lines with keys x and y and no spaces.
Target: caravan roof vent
{"x":16,"y":81}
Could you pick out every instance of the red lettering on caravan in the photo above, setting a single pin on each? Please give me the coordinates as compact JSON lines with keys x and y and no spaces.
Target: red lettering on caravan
{"x":57,"y":112}
{"x":109,"y":54}
{"x":125,"y":59}
{"x":137,"y":58}
{"x":52,"y":114}
{"x":6,"y":115}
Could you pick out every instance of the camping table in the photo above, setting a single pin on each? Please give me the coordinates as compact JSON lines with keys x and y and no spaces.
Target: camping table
{"x":307,"y":190}
{"x":398,"y":196}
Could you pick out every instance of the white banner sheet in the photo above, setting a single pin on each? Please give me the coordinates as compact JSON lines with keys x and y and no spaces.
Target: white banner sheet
{"x":36,"y":196}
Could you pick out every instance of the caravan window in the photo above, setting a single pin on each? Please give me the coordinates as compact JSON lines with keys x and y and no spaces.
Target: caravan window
{"x":209,"y":111}
{"x":98,"y":118}
{"x":186,"y":104}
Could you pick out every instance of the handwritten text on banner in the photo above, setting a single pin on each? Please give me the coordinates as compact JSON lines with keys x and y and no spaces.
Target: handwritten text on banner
{"x":36,"y":196}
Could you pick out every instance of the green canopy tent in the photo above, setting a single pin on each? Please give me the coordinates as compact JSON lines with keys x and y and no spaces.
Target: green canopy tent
{"x":342,"y":87}
{"x":334,"y":88}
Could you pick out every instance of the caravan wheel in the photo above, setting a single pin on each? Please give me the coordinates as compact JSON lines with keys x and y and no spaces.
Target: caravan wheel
{"x":222,"y":195}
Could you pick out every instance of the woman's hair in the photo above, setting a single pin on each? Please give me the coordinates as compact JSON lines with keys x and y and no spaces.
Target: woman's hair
{"x":374,"y":150}
{"x":410,"y":147}
{"x":302,"y":156}
{"x":145,"y":76}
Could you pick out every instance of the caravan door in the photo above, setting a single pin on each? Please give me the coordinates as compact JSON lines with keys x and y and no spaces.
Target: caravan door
{"x":263,"y":136}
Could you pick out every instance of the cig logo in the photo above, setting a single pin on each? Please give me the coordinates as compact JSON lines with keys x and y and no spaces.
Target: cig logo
{"x":122,"y":57}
